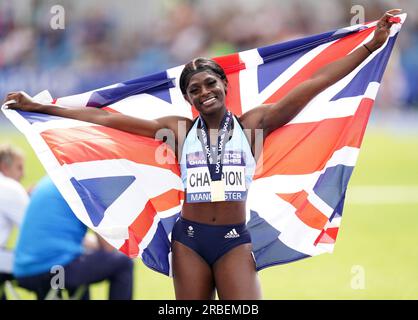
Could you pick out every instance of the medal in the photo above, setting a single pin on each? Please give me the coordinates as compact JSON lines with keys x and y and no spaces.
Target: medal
{"x":214,"y":160}
{"x":217,"y":190}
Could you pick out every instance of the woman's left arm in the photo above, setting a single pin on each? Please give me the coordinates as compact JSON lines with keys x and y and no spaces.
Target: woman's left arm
{"x":271,"y":117}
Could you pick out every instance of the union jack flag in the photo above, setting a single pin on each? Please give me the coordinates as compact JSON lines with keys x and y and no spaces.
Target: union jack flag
{"x":114,"y":184}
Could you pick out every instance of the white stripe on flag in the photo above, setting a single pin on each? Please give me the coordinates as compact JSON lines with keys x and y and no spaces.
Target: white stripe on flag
{"x":80,"y":100}
{"x":149,"y":235}
{"x":250,"y":97}
{"x":60,"y":124}
{"x":142,"y":189}
{"x":294,"y":183}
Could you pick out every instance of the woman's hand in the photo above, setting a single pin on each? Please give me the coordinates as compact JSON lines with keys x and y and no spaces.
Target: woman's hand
{"x":22,"y":102}
{"x":273,"y":117}
{"x":383,"y":29}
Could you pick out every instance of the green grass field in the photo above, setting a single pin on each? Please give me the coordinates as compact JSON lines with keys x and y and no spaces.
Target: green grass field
{"x":379,"y":239}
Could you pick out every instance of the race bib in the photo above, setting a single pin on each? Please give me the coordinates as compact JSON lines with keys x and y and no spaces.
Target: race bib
{"x":199,"y":181}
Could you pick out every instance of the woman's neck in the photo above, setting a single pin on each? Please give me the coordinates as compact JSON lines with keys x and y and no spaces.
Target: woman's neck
{"x":213,"y":120}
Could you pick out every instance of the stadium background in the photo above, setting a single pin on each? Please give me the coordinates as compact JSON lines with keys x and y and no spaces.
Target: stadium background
{"x":105,"y":42}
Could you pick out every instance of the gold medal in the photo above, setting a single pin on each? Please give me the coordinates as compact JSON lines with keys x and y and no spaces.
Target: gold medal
{"x":217,"y":190}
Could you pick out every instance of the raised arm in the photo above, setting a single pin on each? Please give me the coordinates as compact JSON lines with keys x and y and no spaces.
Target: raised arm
{"x":271,"y":117}
{"x":118,"y":121}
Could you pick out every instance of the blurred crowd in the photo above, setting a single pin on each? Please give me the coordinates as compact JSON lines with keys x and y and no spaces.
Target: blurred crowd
{"x":104,"y":42}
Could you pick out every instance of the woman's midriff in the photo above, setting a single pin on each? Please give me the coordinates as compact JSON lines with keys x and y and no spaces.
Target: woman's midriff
{"x":217,"y":213}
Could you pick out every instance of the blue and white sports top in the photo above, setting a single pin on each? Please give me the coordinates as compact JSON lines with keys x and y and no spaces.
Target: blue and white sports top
{"x":238,"y":167}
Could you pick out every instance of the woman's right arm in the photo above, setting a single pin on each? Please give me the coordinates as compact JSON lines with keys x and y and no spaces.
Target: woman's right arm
{"x":118,"y":121}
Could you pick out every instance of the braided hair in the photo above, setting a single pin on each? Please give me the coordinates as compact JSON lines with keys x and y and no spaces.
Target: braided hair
{"x":199,"y":65}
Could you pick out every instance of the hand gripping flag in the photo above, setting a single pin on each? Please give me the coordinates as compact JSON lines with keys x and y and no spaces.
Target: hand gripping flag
{"x":115,"y":184}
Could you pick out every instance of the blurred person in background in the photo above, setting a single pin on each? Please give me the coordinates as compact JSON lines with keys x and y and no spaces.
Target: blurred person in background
{"x":13,"y":202}
{"x":51,"y":235}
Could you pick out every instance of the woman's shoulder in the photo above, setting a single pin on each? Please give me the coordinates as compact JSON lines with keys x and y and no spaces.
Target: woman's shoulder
{"x":176,"y":122}
{"x":252,"y":118}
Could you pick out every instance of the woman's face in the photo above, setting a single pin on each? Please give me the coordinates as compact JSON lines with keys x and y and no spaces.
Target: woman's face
{"x":206,"y":91}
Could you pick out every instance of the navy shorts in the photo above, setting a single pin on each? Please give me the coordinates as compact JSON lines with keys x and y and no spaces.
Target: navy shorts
{"x":210,"y":241}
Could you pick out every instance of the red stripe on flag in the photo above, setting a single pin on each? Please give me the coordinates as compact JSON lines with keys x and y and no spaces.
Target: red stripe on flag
{"x":337,"y":50}
{"x":304,"y":148}
{"x":332,"y":232}
{"x":142,"y":224}
{"x":232,"y":64}
{"x":327,"y":236}
{"x":138,"y":229}
{"x":81,"y":144}
{"x":167,"y":200}
{"x":130,"y":246}
{"x":233,"y":98}
{"x":305,"y":211}
{"x":109,"y":109}
{"x":359,"y":123}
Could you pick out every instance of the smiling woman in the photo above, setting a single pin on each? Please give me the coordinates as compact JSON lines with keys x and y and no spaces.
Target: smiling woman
{"x":210,"y":239}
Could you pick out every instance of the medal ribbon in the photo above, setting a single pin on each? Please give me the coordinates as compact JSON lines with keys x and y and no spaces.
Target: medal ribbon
{"x":215,"y":161}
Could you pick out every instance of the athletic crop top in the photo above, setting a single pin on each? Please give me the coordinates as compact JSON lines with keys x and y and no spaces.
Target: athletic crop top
{"x":238,"y":167}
